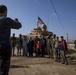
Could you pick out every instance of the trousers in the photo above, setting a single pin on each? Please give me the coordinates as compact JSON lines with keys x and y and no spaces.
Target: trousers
{"x":5,"y":54}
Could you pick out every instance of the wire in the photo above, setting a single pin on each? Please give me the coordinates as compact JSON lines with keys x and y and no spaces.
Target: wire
{"x":57,"y":15}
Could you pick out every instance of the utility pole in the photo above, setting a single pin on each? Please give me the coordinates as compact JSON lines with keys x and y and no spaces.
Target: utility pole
{"x":67,"y":38}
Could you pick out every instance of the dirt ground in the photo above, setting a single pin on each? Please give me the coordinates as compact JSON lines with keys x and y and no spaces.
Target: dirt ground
{"x":39,"y":66}
{"x":42,"y":66}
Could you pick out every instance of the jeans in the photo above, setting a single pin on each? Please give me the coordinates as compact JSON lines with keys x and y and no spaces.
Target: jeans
{"x":57,"y":55}
{"x":63,"y":56}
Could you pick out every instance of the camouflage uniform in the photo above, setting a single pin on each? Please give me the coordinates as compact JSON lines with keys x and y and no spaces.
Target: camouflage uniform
{"x":49,"y":47}
{"x":53,"y":47}
{"x":20,"y":45}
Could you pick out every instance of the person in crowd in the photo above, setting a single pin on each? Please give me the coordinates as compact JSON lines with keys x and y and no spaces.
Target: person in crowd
{"x":36,"y":39}
{"x":49,"y":46}
{"x":13,"y":44}
{"x":75,"y":52}
{"x":20,"y":41}
{"x":63,"y":51}
{"x":53,"y":46}
{"x":44,"y":44}
{"x":38,"y":49}
{"x":30,"y":46}
{"x":18,"y":46}
{"x":57,"y":50}
{"x":24,"y":44}
{"x":6,"y":24}
{"x":75,"y":46}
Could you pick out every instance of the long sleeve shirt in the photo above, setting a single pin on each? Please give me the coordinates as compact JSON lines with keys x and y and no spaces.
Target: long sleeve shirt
{"x":6,"y":24}
{"x":63,"y":45}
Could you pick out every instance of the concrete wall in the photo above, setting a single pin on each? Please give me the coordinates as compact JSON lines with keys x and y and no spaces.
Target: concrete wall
{"x":71,"y":46}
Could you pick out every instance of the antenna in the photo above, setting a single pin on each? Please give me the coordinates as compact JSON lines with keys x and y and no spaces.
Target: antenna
{"x":48,"y":20}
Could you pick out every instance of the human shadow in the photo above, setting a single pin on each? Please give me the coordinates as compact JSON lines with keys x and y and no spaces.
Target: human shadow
{"x":18,"y":66}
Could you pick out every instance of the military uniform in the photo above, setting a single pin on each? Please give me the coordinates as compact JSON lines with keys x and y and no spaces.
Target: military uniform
{"x":53,"y":47}
{"x":49,"y":47}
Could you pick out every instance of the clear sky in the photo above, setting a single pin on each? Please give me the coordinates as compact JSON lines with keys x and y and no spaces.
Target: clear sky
{"x":27,"y":11}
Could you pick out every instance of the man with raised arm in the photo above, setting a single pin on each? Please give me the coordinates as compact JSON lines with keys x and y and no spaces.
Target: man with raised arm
{"x":6,"y":24}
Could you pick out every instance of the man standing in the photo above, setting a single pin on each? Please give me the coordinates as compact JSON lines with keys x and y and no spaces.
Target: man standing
{"x":24,"y":44}
{"x":53,"y":46}
{"x":57,"y":50}
{"x":13,"y":43}
{"x":31,"y":45}
{"x":6,"y":24}
{"x":20,"y":43}
{"x":43,"y":42}
{"x":63,"y":50}
{"x":49,"y":46}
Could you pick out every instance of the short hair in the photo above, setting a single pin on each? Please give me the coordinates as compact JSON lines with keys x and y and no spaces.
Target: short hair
{"x":57,"y":37}
{"x":3,"y":8}
{"x":20,"y":34}
{"x":13,"y":33}
{"x":61,"y":37}
{"x":54,"y":36}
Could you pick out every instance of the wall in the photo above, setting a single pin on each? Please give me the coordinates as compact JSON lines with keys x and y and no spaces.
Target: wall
{"x":71,"y":46}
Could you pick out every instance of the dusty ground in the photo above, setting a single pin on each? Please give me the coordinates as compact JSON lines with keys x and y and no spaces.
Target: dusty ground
{"x":39,"y":66}
{"x":42,"y":66}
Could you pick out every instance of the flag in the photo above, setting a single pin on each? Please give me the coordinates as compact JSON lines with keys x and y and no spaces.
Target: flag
{"x":40,"y":21}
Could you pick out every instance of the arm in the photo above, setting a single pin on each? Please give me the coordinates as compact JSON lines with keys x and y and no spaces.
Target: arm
{"x":65,"y":45}
{"x":13,"y":24}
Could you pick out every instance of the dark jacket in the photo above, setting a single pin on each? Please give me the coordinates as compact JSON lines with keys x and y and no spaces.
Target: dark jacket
{"x":6,"y":24}
{"x":43,"y":42}
{"x":31,"y":44}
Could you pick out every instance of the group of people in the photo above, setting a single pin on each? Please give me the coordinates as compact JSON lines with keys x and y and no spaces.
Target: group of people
{"x":28,"y":46}
{"x":40,"y":46}
{"x":59,"y":49}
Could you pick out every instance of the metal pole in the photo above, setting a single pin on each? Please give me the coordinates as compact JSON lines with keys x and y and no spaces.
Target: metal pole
{"x":67,"y":39}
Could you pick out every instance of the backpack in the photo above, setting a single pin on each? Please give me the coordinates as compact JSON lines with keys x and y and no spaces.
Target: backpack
{"x":66,"y":48}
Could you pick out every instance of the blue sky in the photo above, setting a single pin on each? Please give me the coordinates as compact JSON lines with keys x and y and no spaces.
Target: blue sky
{"x":27,"y":11}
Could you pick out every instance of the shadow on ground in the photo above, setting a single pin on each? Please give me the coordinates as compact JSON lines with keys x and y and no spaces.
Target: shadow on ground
{"x":18,"y":66}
